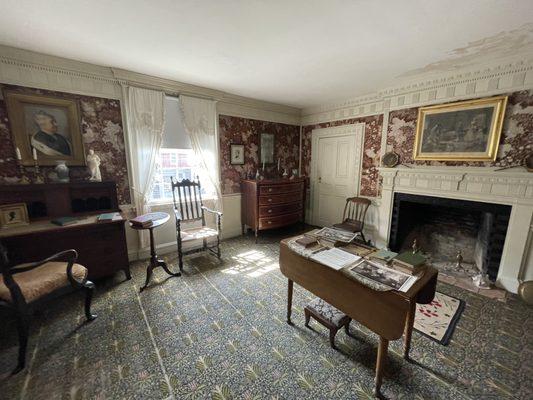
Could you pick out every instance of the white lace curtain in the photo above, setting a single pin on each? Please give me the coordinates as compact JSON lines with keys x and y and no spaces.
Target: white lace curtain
{"x":200,"y":120}
{"x":145,"y":118}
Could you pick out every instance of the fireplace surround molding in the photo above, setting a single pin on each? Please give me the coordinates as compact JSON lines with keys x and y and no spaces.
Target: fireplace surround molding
{"x":512,"y":187}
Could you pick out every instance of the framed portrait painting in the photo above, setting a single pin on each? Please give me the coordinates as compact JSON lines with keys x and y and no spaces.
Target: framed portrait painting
{"x":462,"y":131}
{"x":50,"y":125}
{"x":237,"y":154}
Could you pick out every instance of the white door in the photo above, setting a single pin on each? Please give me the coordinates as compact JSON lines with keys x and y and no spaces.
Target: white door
{"x":336,"y":170}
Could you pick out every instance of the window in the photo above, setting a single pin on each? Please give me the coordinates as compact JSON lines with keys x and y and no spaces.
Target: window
{"x":176,"y":158}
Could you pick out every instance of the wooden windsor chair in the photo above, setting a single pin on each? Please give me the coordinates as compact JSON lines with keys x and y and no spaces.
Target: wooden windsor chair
{"x":353,"y":219}
{"x":189,"y":208}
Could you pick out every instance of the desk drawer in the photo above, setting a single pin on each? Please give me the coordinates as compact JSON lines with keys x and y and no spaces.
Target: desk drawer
{"x":270,"y":211}
{"x":277,"y":189}
{"x":280,"y":220}
{"x":280,"y":198}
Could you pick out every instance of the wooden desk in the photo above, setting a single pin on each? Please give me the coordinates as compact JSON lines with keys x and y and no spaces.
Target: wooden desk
{"x":389,"y":314}
{"x":101,"y":246}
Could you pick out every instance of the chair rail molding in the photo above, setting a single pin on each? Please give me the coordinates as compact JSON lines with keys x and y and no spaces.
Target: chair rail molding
{"x":483,"y":184}
{"x":467,"y":84}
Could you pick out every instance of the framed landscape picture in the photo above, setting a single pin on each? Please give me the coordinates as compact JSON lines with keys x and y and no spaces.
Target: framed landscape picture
{"x":237,"y":154}
{"x":463,"y":131}
{"x":47,"y":124}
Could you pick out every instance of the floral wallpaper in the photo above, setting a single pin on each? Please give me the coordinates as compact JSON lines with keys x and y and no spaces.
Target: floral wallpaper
{"x":101,"y":126}
{"x":371,"y":150}
{"x":516,"y":140}
{"x":236,"y":130}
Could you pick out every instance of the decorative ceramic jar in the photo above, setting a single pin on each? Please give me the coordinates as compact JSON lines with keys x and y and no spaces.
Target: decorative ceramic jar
{"x":62,"y":171}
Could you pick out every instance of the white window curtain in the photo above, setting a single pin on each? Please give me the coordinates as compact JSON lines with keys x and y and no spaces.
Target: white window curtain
{"x":145,"y":119}
{"x":200,"y":120}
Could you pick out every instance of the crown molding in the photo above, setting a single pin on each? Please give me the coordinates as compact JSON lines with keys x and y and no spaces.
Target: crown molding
{"x":437,"y":89}
{"x":27,"y":68}
{"x":42,"y":71}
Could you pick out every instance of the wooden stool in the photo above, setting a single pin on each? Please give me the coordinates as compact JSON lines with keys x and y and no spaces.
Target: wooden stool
{"x":328,"y":316}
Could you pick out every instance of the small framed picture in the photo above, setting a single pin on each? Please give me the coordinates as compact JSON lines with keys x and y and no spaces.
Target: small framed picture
{"x":12,"y":215}
{"x":237,"y":154}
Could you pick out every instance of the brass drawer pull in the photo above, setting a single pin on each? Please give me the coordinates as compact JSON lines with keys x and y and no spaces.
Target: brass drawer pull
{"x":269,"y":222}
{"x":270,"y":189}
{"x":270,"y":210}
{"x":269,"y":199}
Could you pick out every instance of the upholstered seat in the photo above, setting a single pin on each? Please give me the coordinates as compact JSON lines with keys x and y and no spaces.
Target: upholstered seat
{"x":328,"y":316}
{"x":329,"y":313}
{"x":42,"y":280}
{"x":202,"y":232}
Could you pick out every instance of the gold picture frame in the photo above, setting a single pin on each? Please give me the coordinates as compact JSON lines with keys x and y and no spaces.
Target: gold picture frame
{"x":13,"y":215}
{"x":50,"y":125}
{"x":461,"y":131}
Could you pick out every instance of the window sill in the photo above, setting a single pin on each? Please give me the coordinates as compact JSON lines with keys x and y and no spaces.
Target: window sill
{"x":163,"y":203}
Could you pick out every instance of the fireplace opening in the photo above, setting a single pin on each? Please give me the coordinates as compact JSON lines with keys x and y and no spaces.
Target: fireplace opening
{"x":444,"y":228}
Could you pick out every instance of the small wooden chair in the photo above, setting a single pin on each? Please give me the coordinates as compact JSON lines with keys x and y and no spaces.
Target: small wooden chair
{"x":353,"y":219}
{"x":328,"y":316}
{"x":24,"y":285}
{"x":192,"y":209}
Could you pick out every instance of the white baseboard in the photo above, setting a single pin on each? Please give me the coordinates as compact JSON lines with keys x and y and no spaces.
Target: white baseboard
{"x":143,"y":254}
{"x":231,"y":233}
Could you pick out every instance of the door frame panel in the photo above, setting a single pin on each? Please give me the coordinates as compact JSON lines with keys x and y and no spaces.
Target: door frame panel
{"x":356,"y":130}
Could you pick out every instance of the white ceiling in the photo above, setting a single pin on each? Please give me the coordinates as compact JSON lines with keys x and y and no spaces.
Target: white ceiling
{"x":299,"y":52}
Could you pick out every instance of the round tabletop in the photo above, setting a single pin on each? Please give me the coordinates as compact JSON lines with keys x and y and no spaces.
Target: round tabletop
{"x":158,"y":219}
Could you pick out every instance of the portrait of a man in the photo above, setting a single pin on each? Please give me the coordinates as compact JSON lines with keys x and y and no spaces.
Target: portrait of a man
{"x":50,"y":125}
{"x":47,"y":140}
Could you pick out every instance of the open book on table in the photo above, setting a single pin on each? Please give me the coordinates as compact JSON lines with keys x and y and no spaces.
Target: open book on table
{"x":383,"y":275}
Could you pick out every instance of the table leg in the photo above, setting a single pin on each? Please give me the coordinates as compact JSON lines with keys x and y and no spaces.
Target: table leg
{"x":155,"y":262}
{"x":408,"y":332}
{"x":289,"y":301}
{"x":380,"y":364}
{"x":162,"y":264}
{"x":148,"y":276}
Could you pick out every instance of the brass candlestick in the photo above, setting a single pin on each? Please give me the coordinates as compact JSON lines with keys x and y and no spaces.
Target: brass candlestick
{"x":23,"y":180}
{"x":38,"y":177}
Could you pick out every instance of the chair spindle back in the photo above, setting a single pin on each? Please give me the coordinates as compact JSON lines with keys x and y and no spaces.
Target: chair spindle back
{"x":356,"y":208}
{"x":189,"y":199}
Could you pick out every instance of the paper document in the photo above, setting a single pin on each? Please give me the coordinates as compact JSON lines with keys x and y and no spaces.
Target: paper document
{"x":335,"y":258}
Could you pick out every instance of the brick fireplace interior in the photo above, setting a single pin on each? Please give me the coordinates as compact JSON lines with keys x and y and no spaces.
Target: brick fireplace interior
{"x":444,"y":226}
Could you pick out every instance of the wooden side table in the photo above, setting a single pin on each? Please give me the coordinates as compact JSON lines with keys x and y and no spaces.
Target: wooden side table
{"x":155,"y":262}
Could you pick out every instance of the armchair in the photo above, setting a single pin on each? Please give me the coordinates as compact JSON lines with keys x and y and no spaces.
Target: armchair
{"x":24,"y":285}
{"x":188,"y":207}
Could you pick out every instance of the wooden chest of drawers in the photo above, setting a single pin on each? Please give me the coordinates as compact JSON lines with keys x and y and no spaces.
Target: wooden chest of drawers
{"x":271,"y":204}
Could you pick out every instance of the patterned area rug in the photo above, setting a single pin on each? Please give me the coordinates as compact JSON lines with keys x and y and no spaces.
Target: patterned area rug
{"x":219,"y":332}
{"x":438,"y":319}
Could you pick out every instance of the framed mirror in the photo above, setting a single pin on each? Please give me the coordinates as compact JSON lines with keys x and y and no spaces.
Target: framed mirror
{"x":266,"y":148}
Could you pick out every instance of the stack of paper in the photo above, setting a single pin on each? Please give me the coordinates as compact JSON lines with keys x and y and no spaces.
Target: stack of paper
{"x":335,"y":258}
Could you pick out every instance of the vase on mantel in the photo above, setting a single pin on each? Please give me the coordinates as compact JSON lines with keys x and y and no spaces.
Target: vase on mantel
{"x":62,"y":172}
